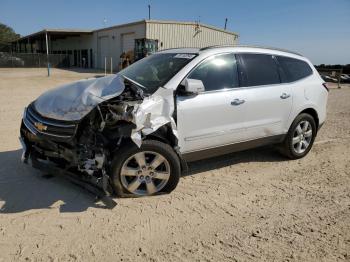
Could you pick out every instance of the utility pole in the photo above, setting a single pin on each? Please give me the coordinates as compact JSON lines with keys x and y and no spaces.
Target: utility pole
{"x":225,"y":23}
{"x":149,"y":12}
{"x":47,"y":55}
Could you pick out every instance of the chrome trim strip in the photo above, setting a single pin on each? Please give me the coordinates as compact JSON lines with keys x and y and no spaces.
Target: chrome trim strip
{"x":229,"y":144}
{"x":34,"y":131}
{"x":223,"y":132}
{"x":239,"y":87}
{"x":213,"y":134}
{"x":48,"y":123}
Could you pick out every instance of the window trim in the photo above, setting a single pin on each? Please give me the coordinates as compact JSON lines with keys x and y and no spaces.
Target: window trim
{"x":240,"y":87}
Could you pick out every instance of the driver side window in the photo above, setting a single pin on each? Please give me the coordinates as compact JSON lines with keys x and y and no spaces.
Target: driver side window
{"x":217,"y":72}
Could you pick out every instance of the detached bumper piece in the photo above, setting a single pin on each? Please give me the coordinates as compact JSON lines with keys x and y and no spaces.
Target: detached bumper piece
{"x":94,"y":188}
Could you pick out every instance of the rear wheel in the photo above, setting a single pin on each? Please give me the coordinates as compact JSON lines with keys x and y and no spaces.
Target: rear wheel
{"x":300,"y":137}
{"x":150,"y":170}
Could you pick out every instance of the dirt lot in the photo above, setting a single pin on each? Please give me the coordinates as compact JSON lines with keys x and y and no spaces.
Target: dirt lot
{"x":253,"y":205}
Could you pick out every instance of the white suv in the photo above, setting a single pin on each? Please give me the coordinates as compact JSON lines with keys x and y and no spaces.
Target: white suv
{"x":134,"y":131}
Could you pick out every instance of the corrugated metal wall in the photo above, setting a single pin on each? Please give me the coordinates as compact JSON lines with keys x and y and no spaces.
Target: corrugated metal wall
{"x":108,"y":42}
{"x":173,"y":35}
{"x":111,"y":41}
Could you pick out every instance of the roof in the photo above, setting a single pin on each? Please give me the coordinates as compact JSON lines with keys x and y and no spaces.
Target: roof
{"x":166,"y":22}
{"x":245,"y":48}
{"x":251,"y":46}
{"x":191,"y":23}
{"x":57,"y":31}
{"x":71,"y":32}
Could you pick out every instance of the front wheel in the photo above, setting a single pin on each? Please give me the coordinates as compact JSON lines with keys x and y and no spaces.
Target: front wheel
{"x":300,"y":137}
{"x":152,"y":169}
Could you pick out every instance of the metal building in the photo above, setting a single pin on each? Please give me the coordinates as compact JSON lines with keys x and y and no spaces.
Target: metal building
{"x":104,"y":47}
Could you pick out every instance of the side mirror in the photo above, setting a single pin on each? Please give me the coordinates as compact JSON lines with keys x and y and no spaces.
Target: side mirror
{"x":194,"y":86}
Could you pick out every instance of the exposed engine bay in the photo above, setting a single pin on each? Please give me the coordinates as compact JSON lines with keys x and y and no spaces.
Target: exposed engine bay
{"x":104,"y":129}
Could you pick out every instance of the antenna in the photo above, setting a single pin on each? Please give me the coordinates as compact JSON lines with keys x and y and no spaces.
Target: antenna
{"x":149,"y":12}
{"x":225,"y":23}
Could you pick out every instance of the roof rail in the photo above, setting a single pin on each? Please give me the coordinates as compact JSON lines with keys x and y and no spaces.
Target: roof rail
{"x":251,"y":46}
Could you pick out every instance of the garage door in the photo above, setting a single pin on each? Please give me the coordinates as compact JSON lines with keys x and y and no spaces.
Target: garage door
{"x":103,"y":50}
{"x":128,"y":42}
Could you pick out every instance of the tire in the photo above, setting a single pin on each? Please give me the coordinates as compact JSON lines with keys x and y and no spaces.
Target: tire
{"x":293,"y":149}
{"x":135,"y":172}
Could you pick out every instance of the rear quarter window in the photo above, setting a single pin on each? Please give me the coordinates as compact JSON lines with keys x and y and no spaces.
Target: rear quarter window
{"x":294,"y":69}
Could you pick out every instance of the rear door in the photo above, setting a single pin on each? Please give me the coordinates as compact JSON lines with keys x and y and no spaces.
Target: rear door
{"x":214,"y":117}
{"x":269,"y":102}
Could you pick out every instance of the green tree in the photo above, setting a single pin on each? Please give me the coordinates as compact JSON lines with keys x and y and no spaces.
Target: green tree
{"x":7,"y":35}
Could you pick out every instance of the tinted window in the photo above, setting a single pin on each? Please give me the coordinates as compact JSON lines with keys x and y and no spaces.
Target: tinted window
{"x":259,"y":70}
{"x":218,"y":72}
{"x":294,"y":69}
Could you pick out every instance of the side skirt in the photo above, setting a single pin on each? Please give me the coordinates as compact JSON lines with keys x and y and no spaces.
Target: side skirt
{"x":222,"y":150}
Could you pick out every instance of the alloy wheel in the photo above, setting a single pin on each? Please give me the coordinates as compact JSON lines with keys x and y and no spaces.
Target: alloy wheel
{"x":145,"y":173}
{"x":302,"y":137}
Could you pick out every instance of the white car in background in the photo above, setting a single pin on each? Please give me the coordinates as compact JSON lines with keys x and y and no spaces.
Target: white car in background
{"x":136,"y":130}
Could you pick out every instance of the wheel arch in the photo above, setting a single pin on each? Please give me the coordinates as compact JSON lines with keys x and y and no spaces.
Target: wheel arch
{"x":311,"y":111}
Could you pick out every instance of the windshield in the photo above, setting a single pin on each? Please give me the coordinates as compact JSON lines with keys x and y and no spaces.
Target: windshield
{"x":156,"y":70}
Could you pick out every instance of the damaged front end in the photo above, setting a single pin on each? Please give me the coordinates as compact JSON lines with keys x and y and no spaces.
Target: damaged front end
{"x":76,"y":129}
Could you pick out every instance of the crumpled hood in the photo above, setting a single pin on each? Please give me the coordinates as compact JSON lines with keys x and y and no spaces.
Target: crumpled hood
{"x":75,"y":100}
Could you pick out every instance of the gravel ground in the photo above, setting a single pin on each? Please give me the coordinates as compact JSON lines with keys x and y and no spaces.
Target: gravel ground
{"x":248,"y":206}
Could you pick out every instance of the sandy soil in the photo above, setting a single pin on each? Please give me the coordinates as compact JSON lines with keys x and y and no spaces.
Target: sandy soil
{"x":248,"y":206}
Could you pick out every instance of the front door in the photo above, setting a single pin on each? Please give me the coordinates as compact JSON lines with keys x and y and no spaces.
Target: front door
{"x":215,"y":117}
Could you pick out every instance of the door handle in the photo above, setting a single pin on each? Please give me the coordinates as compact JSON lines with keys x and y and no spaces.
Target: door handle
{"x":285,"y":96}
{"x":237,"y":102}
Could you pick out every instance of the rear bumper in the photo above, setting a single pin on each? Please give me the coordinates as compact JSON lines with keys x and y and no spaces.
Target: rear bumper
{"x":319,"y":126}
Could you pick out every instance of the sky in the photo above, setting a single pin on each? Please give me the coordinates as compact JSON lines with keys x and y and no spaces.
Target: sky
{"x":319,"y":29}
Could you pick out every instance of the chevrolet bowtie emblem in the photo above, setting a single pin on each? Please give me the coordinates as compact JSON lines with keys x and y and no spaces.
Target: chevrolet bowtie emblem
{"x":40,"y":126}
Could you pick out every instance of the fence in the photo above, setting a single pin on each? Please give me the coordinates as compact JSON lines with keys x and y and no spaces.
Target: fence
{"x":33,"y":60}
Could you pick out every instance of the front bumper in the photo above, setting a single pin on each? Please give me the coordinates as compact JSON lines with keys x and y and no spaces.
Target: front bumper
{"x":25,"y":153}
{"x":39,"y":158}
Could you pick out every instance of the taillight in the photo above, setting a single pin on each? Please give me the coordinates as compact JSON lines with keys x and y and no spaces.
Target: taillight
{"x":325,"y":86}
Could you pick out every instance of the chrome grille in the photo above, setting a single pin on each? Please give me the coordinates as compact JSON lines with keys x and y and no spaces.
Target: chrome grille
{"x":51,"y":127}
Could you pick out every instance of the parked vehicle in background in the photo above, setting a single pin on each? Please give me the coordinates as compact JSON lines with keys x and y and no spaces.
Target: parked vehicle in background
{"x":7,"y":60}
{"x":328,"y":78}
{"x":136,"y":130}
{"x":345,"y":78}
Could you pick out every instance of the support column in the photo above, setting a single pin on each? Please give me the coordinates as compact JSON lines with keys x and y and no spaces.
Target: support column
{"x":47,"y":54}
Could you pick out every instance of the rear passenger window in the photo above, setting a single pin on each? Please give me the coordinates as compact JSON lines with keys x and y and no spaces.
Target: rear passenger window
{"x":218,"y":72}
{"x":259,"y":69}
{"x":294,"y":69}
